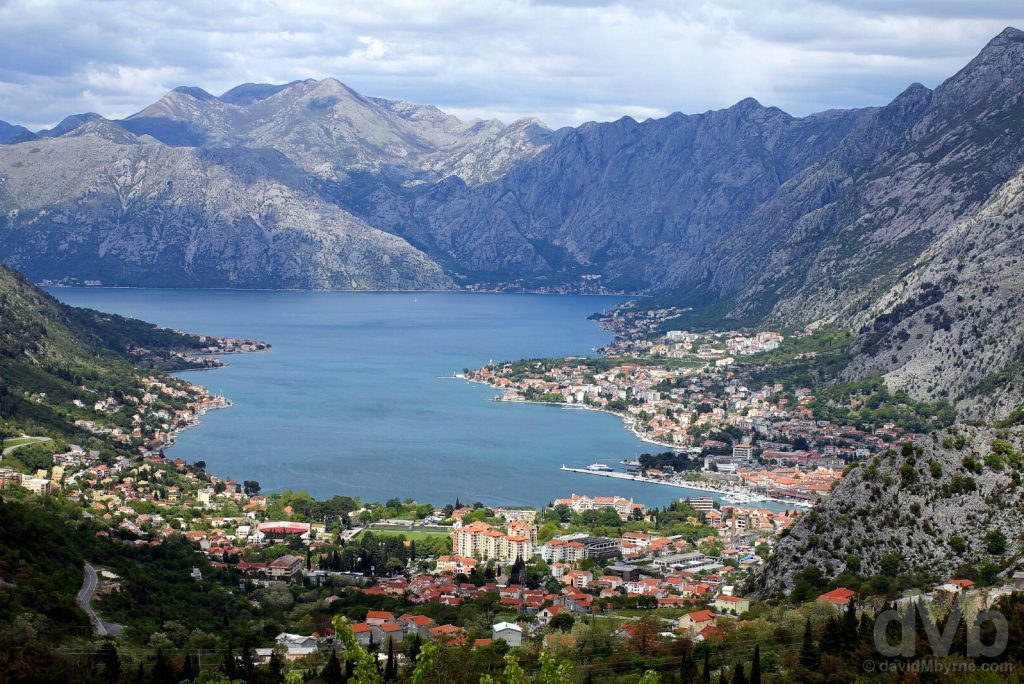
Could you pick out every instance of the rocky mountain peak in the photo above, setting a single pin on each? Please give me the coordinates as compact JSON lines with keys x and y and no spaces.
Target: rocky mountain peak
{"x":248,"y":93}
{"x":996,"y":72}
{"x":195,"y":93}
{"x":69,"y":124}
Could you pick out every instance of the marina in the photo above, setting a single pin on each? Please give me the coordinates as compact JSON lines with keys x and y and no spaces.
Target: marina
{"x":732,"y":495}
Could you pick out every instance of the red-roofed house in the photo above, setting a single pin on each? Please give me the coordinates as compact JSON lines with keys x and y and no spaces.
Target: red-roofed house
{"x":696,"y":621}
{"x":838,"y":597}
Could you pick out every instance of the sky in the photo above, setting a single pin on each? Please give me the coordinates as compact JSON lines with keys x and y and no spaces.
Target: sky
{"x":563,"y":61}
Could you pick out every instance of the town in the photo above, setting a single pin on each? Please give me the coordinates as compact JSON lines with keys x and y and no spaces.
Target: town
{"x":732,"y":428}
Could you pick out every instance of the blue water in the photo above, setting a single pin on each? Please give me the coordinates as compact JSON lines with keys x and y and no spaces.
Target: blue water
{"x":352,"y":399}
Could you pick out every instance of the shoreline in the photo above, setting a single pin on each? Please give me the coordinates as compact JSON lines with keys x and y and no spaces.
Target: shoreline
{"x":627,"y":421}
{"x":743,"y":494}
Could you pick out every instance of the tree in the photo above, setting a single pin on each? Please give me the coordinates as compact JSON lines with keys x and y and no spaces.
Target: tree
{"x":190,"y":671}
{"x":995,"y":542}
{"x":364,"y":664}
{"x":809,"y":655}
{"x":111,"y":661}
{"x":850,"y":626}
{"x":738,"y":675}
{"x":687,"y":668}
{"x":563,"y":621}
{"x":554,"y":670}
{"x":755,"y":666}
{"x":251,"y":487}
{"x":230,"y":665}
{"x":332,"y":674}
{"x":424,"y":663}
{"x":650,"y":677}
{"x":163,"y":673}
{"x":391,"y":666}
{"x":706,"y":674}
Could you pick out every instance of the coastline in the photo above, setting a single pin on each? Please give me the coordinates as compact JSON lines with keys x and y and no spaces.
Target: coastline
{"x":627,"y":421}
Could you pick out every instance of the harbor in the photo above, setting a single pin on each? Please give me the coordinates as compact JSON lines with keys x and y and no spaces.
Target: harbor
{"x":731,"y":495}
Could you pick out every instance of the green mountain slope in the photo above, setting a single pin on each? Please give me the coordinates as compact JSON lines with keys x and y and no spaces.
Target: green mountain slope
{"x":52,"y":355}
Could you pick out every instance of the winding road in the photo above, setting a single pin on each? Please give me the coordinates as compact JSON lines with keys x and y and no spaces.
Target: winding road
{"x":89,"y":583}
{"x":34,"y":440}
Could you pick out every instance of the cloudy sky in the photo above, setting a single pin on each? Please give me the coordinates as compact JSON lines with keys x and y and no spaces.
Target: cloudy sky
{"x":565,"y":61}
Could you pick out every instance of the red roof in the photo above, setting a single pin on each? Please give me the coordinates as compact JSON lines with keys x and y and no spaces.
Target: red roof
{"x":839,"y":596}
{"x":701,"y":616}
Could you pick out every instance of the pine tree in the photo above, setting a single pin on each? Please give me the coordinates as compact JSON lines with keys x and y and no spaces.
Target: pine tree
{"x":248,"y":664}
{"x":111,"y":662}
{"x":332,"y":674}
{"x":755,"y":666}
{"x":865,"y":629}
{"x":687,"y":668}
{"x":391,"y":667}
{"x":189,"y":671}
{"x":414,"y":644}
{"x":809,"y":655}
{"x":832,"y":639}
{"x":738,"y":675}
{"x":850,"y":626}
{"x":163,"y":673}
{"x":230,"y":665}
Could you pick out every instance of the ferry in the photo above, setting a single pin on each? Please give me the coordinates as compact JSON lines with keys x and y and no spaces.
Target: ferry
{"x":599,"y":468}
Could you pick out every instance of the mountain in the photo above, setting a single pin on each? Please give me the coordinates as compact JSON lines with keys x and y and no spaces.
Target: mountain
{"x":125,"y":212}
{"x":10,"y":131}
{"x":69,"y":124}
{"x":950,"y":326}
{"x":838,"y":233}
{"x":887,"y":221}
{"x":52,"y":354}
{"x":935,"y":511}
{"x":331,"y":131}
{"x":623,"y":200}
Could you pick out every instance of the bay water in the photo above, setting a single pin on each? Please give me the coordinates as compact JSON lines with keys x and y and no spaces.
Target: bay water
{"x":356,"y":398}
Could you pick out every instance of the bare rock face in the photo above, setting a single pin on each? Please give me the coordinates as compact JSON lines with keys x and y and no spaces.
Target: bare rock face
{"x":937,"y":511}
{"x":89,"y":208}
{"x":951,"y":328}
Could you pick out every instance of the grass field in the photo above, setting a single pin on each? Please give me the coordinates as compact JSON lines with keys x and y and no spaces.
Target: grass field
{"x":413,"y":533}
{"x":21,"y":441}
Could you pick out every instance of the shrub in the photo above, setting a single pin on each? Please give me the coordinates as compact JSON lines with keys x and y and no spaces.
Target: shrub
{"x":995,"y":542}
{"x":957,"y":543}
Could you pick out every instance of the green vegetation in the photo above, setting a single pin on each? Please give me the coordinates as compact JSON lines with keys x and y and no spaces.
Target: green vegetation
{"x":802,"y":360}
{"x":56,"y":361}
{"x":870,"y":404}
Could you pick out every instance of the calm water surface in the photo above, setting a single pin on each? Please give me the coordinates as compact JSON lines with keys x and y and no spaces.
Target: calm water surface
{"x":353,"y":399}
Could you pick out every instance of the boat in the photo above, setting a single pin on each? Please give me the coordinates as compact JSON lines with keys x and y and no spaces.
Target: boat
{"x":599,"y":468}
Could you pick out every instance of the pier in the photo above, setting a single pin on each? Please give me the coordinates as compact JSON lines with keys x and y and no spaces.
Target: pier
{"x":729,"y":495}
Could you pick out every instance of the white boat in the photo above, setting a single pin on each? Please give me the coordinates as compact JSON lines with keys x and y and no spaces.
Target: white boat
{"x":599,"y":468}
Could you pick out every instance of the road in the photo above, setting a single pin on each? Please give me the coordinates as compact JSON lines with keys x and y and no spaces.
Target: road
{"x":89,"y":583}
{"x":35,"y":440}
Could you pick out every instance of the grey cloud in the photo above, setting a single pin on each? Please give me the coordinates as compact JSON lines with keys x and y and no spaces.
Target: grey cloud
{"x":562,"y":60}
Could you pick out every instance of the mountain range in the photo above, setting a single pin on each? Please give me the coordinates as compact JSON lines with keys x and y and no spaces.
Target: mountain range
{"x":900,"y":223}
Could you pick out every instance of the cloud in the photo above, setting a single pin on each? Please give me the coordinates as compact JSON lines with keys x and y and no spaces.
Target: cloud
{"x":565,"y":61}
